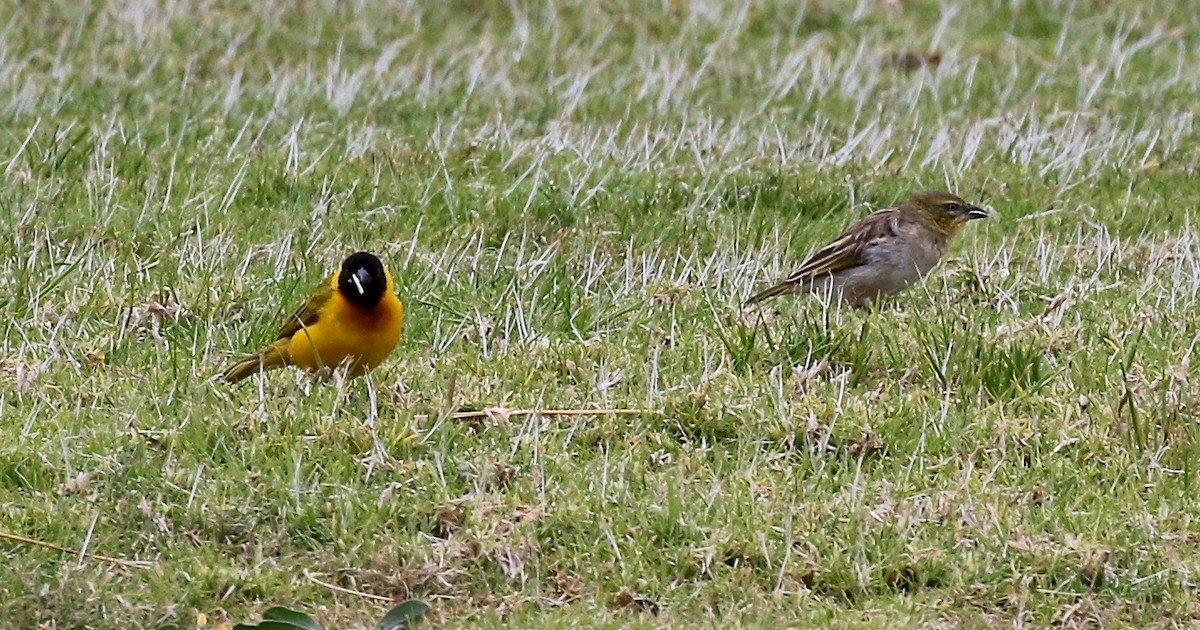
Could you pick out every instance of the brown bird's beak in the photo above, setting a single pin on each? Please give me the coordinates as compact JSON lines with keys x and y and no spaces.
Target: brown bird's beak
{"x":975,"y":212}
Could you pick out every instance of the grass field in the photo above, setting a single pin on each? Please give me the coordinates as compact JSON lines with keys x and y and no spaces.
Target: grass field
{"x":575,"y":197}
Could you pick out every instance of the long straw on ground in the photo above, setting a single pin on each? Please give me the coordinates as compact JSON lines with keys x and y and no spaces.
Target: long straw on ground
{"x":502,"y":412}
{"x":141,"y":564}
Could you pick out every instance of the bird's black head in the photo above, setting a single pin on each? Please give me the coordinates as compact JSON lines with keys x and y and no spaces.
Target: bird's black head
{"x":362,"y":279}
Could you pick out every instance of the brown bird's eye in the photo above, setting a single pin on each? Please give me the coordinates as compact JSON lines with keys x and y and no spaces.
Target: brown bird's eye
{"x":953,"y":207}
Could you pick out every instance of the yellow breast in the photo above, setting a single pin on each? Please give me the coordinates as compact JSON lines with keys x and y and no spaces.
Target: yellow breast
{"x":346,"y":333}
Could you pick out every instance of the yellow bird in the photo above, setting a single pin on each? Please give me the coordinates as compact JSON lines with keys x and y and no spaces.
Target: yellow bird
{"x":353,"y":318}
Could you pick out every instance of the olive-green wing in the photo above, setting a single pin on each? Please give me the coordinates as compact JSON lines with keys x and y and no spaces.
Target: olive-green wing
{"x":847,"y":249}
{"x":308,"y":314}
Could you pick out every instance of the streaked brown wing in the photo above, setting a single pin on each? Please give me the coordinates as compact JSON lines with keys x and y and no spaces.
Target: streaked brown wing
{"x":308,"y":314}
{"x":847,"y":249}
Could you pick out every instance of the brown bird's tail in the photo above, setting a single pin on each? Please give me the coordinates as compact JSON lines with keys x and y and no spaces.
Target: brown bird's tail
{"x":779,"y":289}
{"x":268,"y":359}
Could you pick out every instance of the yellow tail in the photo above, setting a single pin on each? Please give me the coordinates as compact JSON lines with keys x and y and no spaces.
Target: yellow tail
{"x":781,"y":288}
{"x":269,"y":359}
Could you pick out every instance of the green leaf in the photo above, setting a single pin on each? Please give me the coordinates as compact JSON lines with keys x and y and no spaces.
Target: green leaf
{"x":403,"y":614}
{"x":270,"y":625}
{"x":294,"y":617}
{"x":280,"y":618}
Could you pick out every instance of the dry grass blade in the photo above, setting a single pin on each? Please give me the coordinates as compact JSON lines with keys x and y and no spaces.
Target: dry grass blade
{"x":341,"y":589}
{"x":502,"y":412}
{"x":140,"y":564}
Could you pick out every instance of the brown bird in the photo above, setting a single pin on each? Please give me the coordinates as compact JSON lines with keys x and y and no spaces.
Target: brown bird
{"x":884,"y":252}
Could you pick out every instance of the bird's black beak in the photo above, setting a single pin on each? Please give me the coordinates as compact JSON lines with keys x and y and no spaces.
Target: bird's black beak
{"x":975,"y":212}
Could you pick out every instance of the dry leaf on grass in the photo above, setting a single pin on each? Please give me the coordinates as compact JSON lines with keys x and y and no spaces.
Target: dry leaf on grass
{"x":627,"y":599}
